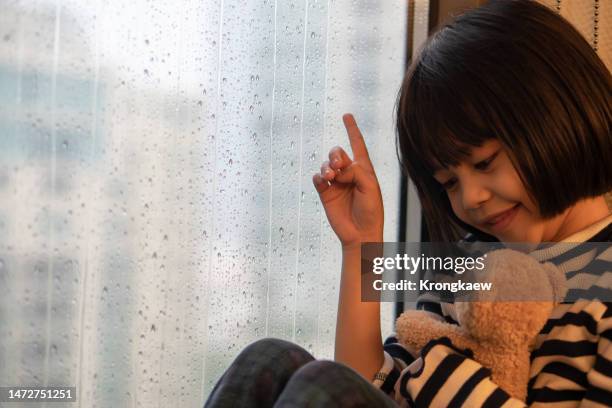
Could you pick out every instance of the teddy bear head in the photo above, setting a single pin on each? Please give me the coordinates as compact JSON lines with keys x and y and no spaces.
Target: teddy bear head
{"x":522,"y":296}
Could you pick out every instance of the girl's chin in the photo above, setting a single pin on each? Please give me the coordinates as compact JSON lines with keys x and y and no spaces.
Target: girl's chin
{"x":513,"y":234}
{"x":519,"y":236}
{"x":510,"y":238}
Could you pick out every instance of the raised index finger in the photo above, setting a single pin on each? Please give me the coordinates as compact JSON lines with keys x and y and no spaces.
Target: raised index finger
{"x":358,"y":146}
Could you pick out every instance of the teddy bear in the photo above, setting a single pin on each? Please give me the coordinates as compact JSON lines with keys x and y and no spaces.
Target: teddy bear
{"x":500,"y":326}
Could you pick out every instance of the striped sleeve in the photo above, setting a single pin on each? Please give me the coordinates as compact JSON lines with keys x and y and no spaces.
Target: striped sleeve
{"x":449,"y":377}
{"x":599,"y":392}
{"x":397,"y":358}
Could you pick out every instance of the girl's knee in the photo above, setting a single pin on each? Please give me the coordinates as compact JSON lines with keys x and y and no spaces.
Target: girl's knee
{"x":323,"y":370}
{"x":272,"y":347}
{"x":257,"y":376}
{"x":331,"y":384}
{"x":269,"y":343}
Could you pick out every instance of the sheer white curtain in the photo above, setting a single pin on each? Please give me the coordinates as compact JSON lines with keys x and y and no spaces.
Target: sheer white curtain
{"x":156,"y":206}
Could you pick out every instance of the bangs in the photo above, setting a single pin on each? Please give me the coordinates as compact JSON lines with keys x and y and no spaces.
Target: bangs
{"x":439,"y":124}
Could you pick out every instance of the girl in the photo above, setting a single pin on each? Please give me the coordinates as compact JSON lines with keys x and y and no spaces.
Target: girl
{"x":503,"y":124}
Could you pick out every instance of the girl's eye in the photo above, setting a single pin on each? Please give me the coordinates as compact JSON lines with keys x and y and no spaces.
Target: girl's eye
{"x":483,"y":165}
{"x":448,"y":185}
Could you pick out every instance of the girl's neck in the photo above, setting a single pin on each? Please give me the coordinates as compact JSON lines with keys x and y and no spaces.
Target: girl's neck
{"x":578,"y":217}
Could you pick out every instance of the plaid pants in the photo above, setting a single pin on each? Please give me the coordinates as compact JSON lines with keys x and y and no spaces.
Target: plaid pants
{"x":276,"y":373}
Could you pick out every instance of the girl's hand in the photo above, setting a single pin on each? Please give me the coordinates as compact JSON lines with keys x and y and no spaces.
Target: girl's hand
{"x":349,"y":191}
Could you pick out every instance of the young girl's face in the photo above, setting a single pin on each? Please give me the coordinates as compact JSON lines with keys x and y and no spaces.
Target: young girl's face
{"x":487,"y":193}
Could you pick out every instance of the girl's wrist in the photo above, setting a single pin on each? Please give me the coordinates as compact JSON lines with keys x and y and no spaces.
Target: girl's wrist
{"x":356,"y":245}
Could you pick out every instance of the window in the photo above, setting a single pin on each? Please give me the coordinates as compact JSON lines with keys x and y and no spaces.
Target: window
{"x":156,"y":206}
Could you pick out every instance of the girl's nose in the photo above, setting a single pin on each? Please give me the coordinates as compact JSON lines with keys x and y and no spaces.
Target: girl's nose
{"x":473,"y":194}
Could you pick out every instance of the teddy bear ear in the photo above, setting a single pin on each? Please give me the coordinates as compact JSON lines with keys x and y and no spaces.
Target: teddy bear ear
{"x":558,"y":281}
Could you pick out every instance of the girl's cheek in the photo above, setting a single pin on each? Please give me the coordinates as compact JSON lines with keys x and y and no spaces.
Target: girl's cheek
{"x":458,"y":211}
{"x":508,"y":183}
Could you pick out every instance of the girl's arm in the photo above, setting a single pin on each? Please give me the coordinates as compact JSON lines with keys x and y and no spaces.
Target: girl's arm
{"x":358,"y":340}
{"x":351,"y":197}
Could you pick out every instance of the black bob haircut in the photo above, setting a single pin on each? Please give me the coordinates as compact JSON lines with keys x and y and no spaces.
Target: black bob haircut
{"x":515,"y":71}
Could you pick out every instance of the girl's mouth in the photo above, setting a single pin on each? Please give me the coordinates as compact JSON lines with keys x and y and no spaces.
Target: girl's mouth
{"x":501,"y":221}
